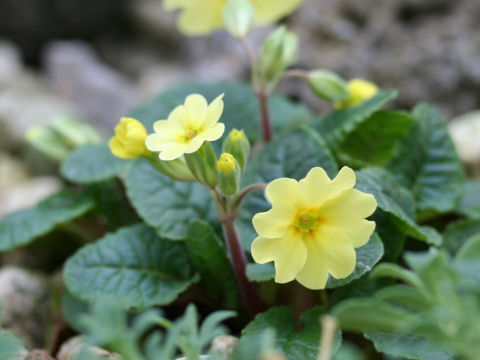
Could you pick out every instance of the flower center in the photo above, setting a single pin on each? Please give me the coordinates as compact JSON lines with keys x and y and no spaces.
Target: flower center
{"x":307,"y":222}
{"x":190,"y":135}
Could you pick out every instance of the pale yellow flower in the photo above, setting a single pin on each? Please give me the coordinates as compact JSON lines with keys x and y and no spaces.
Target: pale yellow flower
{"x":360,"y":90}
{"x":129,"y":139}
{"x":313,"y":228}
{"x":202,"y":17}
{"x":188,"y":126}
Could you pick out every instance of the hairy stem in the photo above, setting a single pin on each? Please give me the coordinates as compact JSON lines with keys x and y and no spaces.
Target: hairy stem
{"x":329,"y":326}
{"x":239,"y":261}
{"x":265,"y":116}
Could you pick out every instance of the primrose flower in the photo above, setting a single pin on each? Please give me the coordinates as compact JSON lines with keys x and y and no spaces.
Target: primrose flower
{"x":360,"y":90}
{"x":202,"y":17}
{"x":313,"y":228}
{"x":188,"y":126}
{"x":129,"y":139}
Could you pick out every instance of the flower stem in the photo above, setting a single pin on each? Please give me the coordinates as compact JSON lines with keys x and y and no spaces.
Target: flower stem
{"x":329,"y":326}
{"x":265,"y":116}
{"x":239,"y":261}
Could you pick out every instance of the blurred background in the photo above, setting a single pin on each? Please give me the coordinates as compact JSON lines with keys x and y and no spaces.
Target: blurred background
{"x":95,"y":60}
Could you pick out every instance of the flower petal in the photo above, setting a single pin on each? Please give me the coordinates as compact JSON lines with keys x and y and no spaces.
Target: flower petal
{"x":267,"y":11}
{"x":194,"y":145}
{"x":214,"y":111}
{"x":313,"y":189}
{"x":214,"y":133}
{"x":282,"y":193}
{"x":289,"y":254}
{"x":338,"y":253}
{"x":314,"y":274}
{"x":273,"y":223}
{"x":350,"y":204}
{"x":357,"y":231}
{"x":177,"y":117}
{"x":196,"y":107}
{"x":172,"y":151}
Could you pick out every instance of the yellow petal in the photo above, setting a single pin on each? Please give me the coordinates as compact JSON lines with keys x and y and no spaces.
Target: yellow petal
{"x":357,"y":231}
{"x":172,"y":152}
{"x":214,"y":111}
{"x":215,"y":132}
{"x":282,"y":193}
{"x":157,"y":141}
{"x":178,"y":116}
{"x":201,"y":17}
{"x":350,"y":204}
{"x":117,"y":148}
{"x":337,"y":252}
{"x":273,"y":223}
{"x":313,"y":188}
{"x":314,"y":274}
{"x":289,"y":254}
{"x":194,"y":145}
{"x":267,"y":11}
{"x":196,"y":107}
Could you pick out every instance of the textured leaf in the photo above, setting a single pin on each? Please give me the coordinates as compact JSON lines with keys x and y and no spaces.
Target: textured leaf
{"x":426,"y":162}
{"x":11,"y":348}
{"x":407,"y":346}
{"x":24,"y":226}
{"x":296,"y":345}
{"x":209,"y":255}
{"x":241,"y":107}
{"x":291,"y":155}
{"x":470,"y":249}
{"x":92,"y":163}
{"x":373,"y":141}
{"x":335,"y":126}
{"x":166,"y":204}
{"x":260,"y":272}
{"x":367,"y":257}
{"x":470,"y":203}
{"x":458,"y":232}
{"x":396,"y":200}
{"x":132,"y":266}
{"x":73,"y":309}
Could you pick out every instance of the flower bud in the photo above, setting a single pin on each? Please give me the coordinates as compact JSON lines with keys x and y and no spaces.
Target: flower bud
{"x":228,"y":174}
{"x":129,"y":139}
{"x":202,"y":164}
{"x":238,"y":17}
{"x":74,"y":132}
{"x":360,"y":90}
{"x":238,"y":145}
{"x":328,"y":85}
{"x":46,"y":141}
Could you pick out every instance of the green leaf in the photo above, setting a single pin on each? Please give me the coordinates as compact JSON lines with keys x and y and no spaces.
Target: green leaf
{"x":294,"y":344}
{"x":470,"y":203}
{"x":397,"y":272}
{"x":458,"y":232}
{"x":24,"y":226}
{"x":335,"y":126}
{"x":167,"y":205}
{"x":260,"y":272}
{"x":291,"y":155}
{"x":240,"y":111}
{"x":407,"y":346}
{"x":209,"y":256}
{"x":73,"y":309}
{"x":11,"y":348}
{"x":426,"y":162}
{"x":396,"y":200}
{"x":132,"y":266}
{"x":373,"y":141}
{"x":471,"y":249}
{"x":367,"y":257}
{"x":91,"y":164}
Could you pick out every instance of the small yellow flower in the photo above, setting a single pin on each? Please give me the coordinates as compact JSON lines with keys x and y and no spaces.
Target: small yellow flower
{"x":313,"y":227}
{"x":360,"y":90}
{"x":129,"y":139}
{"x":226,"y":163}
{"x":188,"y":126}
{"x":202,"y":17}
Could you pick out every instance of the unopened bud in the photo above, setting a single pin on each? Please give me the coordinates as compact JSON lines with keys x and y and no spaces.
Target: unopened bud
{"x":238,"y":17}
{"x":238,"y":145}
{"x":328,"y":85}
{"x":74,"y":132}
{"x":47,"y":142}
{"x":359,"y":91}
{"x":228,"y":174}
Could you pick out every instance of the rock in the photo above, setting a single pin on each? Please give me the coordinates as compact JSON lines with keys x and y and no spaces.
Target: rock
{"x":12,"y":173}
{"x":224,"y":344}
{"x":465,"y":133}
{"x":75,"y":72}
{"x":26,"y":304}
{"x":72,"y":348}
{"x":10,"y":63}
{"x":28,"y":194}
{"x":38,"y":355}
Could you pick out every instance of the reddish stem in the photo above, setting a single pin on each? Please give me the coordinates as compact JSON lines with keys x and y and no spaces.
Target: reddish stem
{"x":265,"y":117}
{"x":239,"y":261}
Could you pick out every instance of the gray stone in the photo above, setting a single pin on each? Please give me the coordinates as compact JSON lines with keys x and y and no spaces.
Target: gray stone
{"x":25,"y":304}
{"x":10,"y":63}
{"x":73,"y":347}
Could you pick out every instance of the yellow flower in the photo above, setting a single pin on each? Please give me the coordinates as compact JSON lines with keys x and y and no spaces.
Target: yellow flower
{"x":129,"y":139}
{"x":313,"y":227}
{"x":188,"y":126}
{"x":226,"y":163}
{"x":202,"y":17}
{"x":360,"y":90}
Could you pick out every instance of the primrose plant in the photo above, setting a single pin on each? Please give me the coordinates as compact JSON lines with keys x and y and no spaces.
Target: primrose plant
{"x":230,"y":196}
